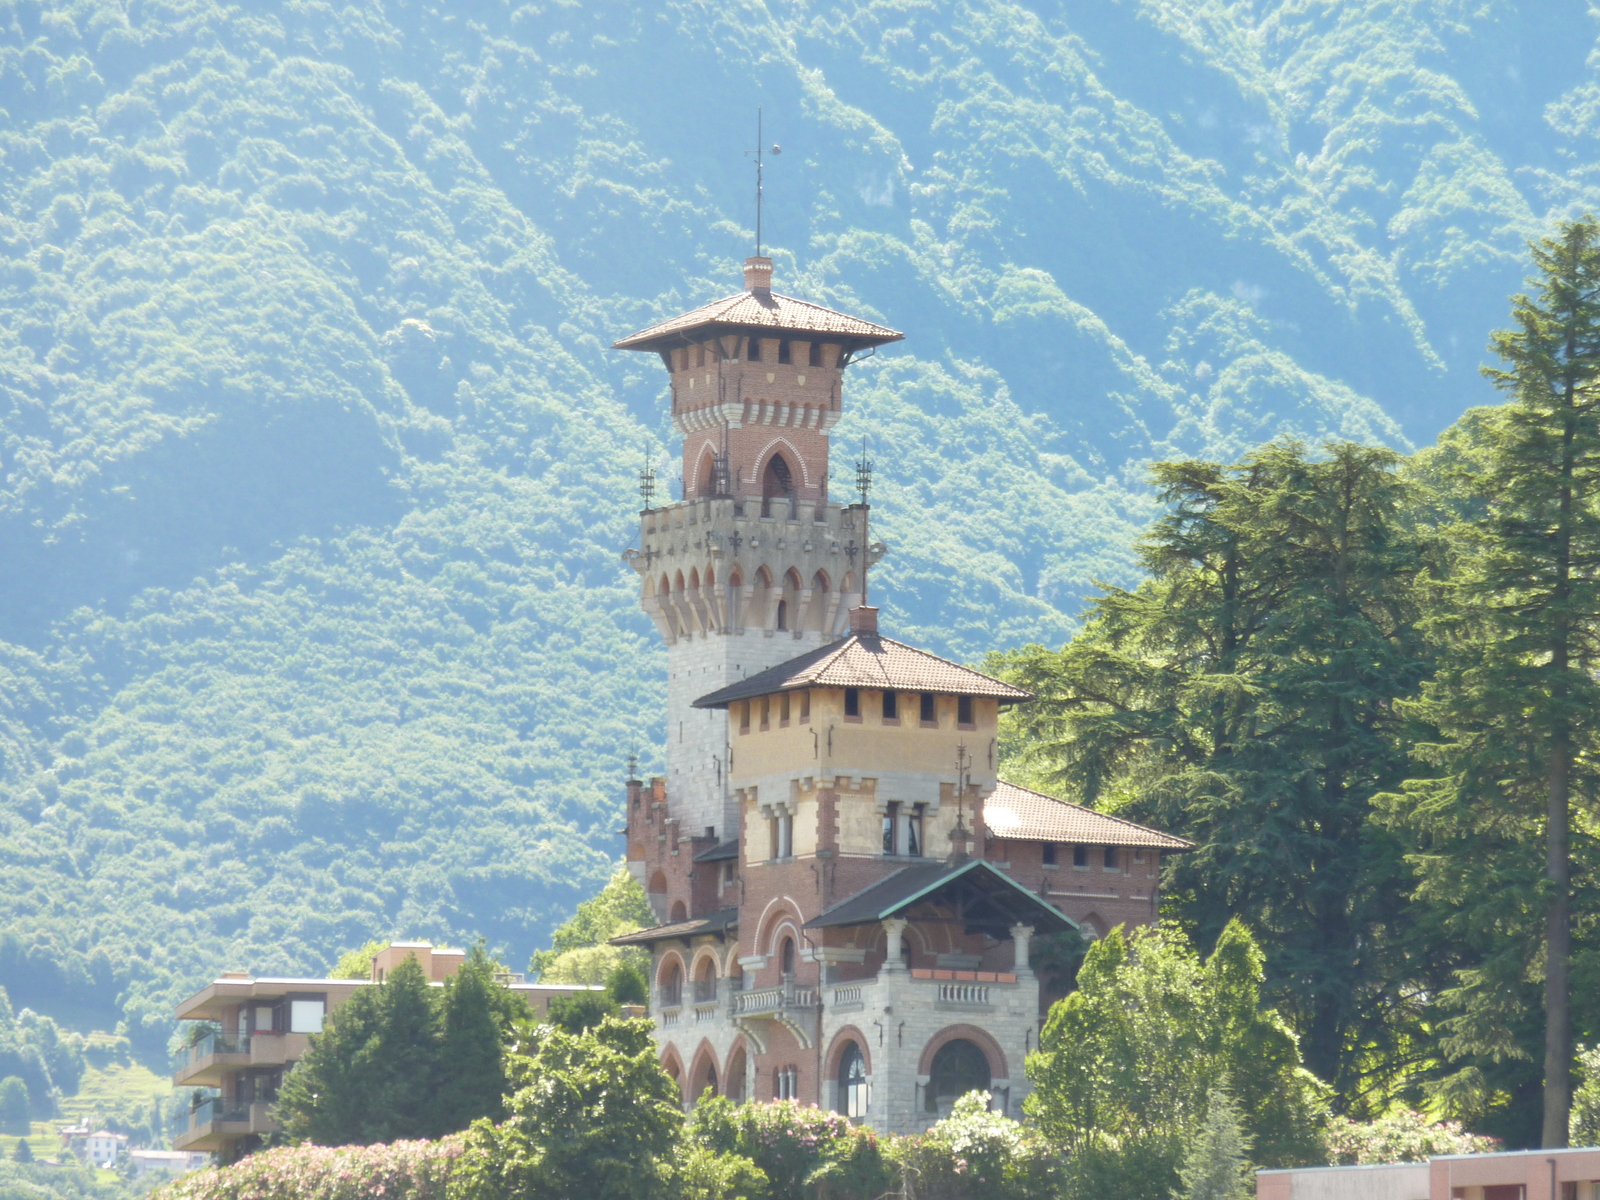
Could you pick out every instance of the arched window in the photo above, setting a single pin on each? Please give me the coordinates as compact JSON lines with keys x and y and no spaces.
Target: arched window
{"x":958,"y":1068}
{"x":783,"y":614}
{"x":852,"y":1082}
{"x":787,"y":957}
{"x":777,"y":483}
{"x":737,"y":1070}
{"x":705,"y":985}
{"x":672,"y":987}
{"x":679,"y":912}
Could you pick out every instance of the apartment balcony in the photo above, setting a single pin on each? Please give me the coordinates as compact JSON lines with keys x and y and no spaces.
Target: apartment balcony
{"x":207,"y":1062}
{"x":216,"y":1123}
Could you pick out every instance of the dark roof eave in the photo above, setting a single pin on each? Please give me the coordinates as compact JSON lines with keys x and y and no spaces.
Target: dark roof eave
{"x":718,"y":922}
{"x":713,"y":329}
{"x":708,"y":701}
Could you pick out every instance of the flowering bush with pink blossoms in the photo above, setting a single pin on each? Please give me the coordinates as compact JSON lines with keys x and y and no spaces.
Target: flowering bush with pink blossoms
{"x":393,"y":1171}
{"x":1402,"y":1136}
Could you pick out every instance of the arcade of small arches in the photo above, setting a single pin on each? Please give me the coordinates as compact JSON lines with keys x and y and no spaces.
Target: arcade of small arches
{"x":696,"y":603}
{"x":956,"y":1060}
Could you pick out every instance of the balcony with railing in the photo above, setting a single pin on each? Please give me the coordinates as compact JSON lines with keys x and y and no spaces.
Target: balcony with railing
{"x":972,"y":991}
{"x":204,"y":1063}
{"x":218,"y":1121}
{"x":772,"y":1001}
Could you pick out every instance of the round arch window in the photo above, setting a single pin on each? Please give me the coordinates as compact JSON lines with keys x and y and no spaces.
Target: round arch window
{"x":852,"y":1082}
{"x":958,"y":1068}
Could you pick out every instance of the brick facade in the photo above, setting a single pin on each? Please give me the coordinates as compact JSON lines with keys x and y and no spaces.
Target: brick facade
{"x":839,"y":923}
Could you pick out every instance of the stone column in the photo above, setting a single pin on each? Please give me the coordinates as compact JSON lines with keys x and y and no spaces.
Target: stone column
{"x":895,"y":928}
{"x":1021,"y":939}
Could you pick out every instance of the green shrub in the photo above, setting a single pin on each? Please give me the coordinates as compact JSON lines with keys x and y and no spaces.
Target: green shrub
{"x":1400,"y":1136}
{"x":974,"y":1153}
{"x":803,"y":1151}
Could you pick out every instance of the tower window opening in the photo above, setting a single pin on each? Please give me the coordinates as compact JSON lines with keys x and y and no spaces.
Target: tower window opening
{"x":754,"y":353}
{"x":930,"y":710}
{"x":1080,"y":856}
{"x":699,"y":356}
{"x":744,"y":717}
{"x":777,"y":483}
{"x":914,"y":831}
{"x":787,"y":957}
{"x":964,"y":711}
{"x":891,"y":823}
{"x":891,"y":706}
{"x":786,"y":836}
{"x":783,"y":614}
{"x":783,"y":351}
{"x":1111,"y":858}
{"x":1047,"y":852}
{"x":783,"y":709}
{"x":805,"y":706}
{"x":766,"y":712}
{"x":852,"y":703}
{"x":815,"y":358}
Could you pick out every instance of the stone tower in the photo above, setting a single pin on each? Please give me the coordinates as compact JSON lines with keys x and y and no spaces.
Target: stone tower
{"x":754,"y":564}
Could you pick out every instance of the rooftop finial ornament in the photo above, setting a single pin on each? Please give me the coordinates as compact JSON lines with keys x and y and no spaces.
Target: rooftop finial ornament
{"x":864,"y":486}
{"x":647,"y":482}
{"x":758,"y":152}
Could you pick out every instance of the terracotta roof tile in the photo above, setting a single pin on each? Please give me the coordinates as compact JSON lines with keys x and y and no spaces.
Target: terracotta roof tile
{"x":751,"y":310}
{"x":867,"y":660}
{"x":1015,"y":812}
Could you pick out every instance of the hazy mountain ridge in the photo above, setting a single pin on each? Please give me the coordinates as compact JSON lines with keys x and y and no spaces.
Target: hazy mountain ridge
{"x":316,"y":465}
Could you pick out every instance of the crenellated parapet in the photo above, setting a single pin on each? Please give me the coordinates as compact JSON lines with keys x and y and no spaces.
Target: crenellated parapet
{"x":736,"y":566}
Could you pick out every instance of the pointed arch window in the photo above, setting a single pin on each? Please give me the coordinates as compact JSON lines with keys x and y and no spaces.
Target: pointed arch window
{"x":777,"y":483}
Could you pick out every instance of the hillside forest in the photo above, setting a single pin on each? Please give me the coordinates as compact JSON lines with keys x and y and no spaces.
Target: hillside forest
{"x":315,"y":468}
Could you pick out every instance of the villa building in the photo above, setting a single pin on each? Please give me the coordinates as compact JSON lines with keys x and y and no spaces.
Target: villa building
{"x":847,"y":893}
{"x":258,"y":1027}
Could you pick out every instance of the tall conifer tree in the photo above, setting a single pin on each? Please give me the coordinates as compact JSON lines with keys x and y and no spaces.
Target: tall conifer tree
{"x":1515,"y":697}
{"x":1240,"y":697}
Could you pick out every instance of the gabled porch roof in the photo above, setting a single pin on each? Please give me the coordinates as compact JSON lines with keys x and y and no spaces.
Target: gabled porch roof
{"x":984,"y":898}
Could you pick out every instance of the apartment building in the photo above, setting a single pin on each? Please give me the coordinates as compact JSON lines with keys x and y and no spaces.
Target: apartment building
{"x":258,"y":1027}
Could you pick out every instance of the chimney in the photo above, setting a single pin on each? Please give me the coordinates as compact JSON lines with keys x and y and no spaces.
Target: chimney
{"x":758,"y":276}
{"x":863,"y":620}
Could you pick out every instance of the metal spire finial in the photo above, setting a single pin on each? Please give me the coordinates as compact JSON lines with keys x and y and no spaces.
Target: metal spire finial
{"x":760,"y":165}
{"x":647,"y":481}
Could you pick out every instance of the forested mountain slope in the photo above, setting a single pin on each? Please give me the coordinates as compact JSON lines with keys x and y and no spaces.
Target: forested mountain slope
{"x":314,"y":465}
